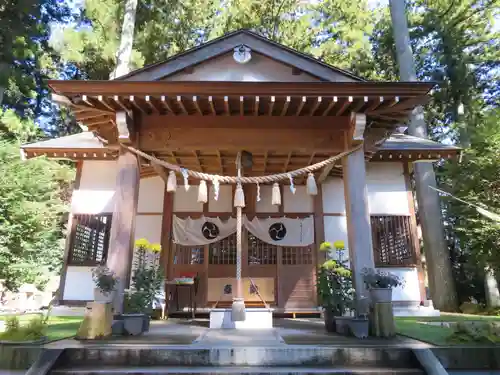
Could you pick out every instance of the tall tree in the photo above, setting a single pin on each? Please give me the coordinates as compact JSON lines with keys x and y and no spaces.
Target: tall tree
{"x":439,"y":266}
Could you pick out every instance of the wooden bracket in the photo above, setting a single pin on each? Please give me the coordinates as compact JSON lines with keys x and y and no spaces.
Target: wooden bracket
{"x":125,"y":126}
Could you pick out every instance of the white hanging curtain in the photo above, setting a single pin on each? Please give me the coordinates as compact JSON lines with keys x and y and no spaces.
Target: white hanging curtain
{"x":202,"y":231}
{"x":282,"y":231}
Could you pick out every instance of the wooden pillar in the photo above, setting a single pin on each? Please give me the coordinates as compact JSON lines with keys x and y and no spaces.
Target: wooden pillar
{"x":166,"y":233}
{"x":358,"y":218}
{"x":319,"y":226}
{"x":121,"y":242}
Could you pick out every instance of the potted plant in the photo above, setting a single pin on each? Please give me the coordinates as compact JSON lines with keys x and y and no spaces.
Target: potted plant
{"x":380,"y":284}
{"x":147,"y":280}
{"x":335,"y":291}
{"x":359,"y":326}
{"x":105,"y":281}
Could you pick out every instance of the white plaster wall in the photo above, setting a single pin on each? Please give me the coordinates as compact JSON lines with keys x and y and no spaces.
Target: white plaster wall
{"x":151,"y":193}
{"x":265,"y":204}
{"x":387,"y":192}
{"x":225,"y":201}
{"x":98,"y":175}
{"x":410,"y":291}
{"x":298,"y":202}
{"x":79,"y":285}
{"x":259,"y":68}
{"x":148,"y":227}
{"x":333,"y":196}
{"x":97,"y":188}
{"x":187,"y":201}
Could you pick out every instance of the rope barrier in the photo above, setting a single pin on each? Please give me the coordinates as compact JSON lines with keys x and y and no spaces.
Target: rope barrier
{"x":243,"y":180}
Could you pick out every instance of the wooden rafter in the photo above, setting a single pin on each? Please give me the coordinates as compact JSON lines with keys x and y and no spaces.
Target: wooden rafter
{"x":227,"y":110}
{"x":150,"y":105}
{"x":165,"y":104}
{"x":330,"y":106}
{"x":181,"y":105}
{"x":285,"y":106}
{"x":287,"y":161}
{"x":315,"y":106}
{"x":265,"y":161}
{"x":221,"y":163}
{"x":256,"y":106}
{"x":344,"y":106}
{"x":116,"y":99}
{"x":197,"y":106}
{"x":197,"y":156}
{"x":104,"y":102}
{"x":301,"y":105}
{"x":271,"y":106}
{"x":133,"y":102}
{"x":242,"y":105}
{"x":212,"y":106}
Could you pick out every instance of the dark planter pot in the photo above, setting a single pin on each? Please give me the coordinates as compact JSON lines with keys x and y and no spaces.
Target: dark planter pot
{"x":329,"y":316}
{"x":381,"y":295}
{"x":342,"y":324}
{"x":135,"y":324}
{"x":359,"y":328}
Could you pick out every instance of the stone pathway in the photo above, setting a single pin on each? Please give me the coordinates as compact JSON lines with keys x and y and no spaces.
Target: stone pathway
{"x":240,"y":337}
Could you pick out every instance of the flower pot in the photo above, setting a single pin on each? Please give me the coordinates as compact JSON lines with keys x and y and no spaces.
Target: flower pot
{"x":100,"y":296}
{"x":359,"y":328}
{"x":379,"y":295}
{"x":342,"y":324}
{"x":329,"y":317}
{"x":133,"y":324}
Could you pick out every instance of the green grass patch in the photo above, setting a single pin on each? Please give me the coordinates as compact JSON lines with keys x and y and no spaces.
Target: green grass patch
{"x":58,"y":327}
{"x":434,"y":334}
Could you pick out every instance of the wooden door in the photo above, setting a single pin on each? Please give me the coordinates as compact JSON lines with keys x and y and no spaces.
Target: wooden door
{"x":296,"y":285}
{"x":221,"y":264}
{"x":259,"y":263}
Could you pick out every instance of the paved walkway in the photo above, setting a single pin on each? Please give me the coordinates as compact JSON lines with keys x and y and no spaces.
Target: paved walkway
{"x":187,"y":332}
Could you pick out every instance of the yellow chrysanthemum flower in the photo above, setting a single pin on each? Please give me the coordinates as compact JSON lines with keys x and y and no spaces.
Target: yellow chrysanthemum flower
{"x":325,"y":246}
{"x":155,"y":247}
{"x":339,"y":245}
{"x":142,"y":242}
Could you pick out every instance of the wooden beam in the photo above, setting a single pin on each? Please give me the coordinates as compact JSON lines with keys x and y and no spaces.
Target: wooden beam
{"x":158,"y":122}
{"x":344,"y":106}
{"x":315,"y":106}
{"x":238,"y":139}
{"x":151,"y":106}
{"x":104,"y":102}
{"x":242,"y":105}
{"x":256,"y":106}
{"x":181,"y":105}
{"x":271,"y":105}
{"x":227,"y":110}
{"x":197,"y":106}
{"x":133,"y":102}
{"x":287,"y":161}
{"x":164,"y":102}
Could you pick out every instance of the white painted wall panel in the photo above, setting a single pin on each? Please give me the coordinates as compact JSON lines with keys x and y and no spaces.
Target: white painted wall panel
{"x":336,"y":230}
{"x":265,"y":204}
{"x":92,"y":201}
{"x":225,"y":201}
{"x":79,"y":285}
{"x":187,"y":201}
{"x":148,"y":227}
{"x":410,"y":291}
{"x":333,"y":196}
{"x":298,"y":202}
{"x":387,"y":189}
{"x":151,"y":192}
{"x":98,"y":175}
{"x":259,"y":68}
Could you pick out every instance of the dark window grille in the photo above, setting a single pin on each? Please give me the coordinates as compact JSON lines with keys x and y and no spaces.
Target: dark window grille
{"x":90,"y":239}
{"x":297,"y":255}
{"x":260,"y":252}
{"x":223,"y":251}
{"x":189,"y":254}
{"x":393,"y":242}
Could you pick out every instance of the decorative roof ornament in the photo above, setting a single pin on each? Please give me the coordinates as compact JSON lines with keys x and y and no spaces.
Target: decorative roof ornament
{"x":242,"y":54}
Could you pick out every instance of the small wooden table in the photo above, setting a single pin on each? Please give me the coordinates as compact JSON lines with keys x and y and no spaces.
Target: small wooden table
{"x":193,"y":290}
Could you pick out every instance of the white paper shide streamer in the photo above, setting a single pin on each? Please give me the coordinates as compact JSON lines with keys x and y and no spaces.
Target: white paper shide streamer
{"x":202,"y":192}
{"x":276,"y":195}
{"x":171,"y":182}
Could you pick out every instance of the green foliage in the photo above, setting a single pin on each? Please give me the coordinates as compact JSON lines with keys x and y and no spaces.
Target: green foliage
{"x":104,"y":279}
{"x":34,"y":330}
{"x":147,"y":280}
{"x":477,"y":332}
{"x":33,"y":196}
{"x":334,"y":286}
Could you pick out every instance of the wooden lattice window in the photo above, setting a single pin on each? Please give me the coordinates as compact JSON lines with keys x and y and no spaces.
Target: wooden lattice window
{"x":297,"y":255}
{"x":89,"y":239}
{"x":260,"y":252}
{"x":393,"y":242}
{"x":223,"y":251}
{"x":189,"y":254}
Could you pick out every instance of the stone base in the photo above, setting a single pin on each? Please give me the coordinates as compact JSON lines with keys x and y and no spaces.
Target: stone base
{"x":416,"y":311}
{"x":256,"y":318}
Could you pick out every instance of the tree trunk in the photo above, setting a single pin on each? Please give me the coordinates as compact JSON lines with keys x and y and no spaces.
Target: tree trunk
{"x":124,"y":52}
{"x":3,"y":80}
{"x":441,"y":282}
{"x":491,"y":288}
